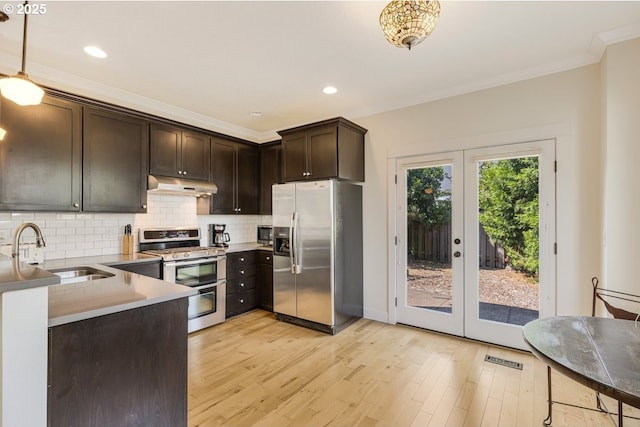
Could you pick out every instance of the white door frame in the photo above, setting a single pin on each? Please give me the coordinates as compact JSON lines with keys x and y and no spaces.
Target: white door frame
{"x":497,"y":332}
{"x":547,"y":233}
{"x":450,"y":323}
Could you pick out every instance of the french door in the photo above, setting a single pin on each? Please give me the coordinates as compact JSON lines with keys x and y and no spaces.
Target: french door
{"x":476,"y":235}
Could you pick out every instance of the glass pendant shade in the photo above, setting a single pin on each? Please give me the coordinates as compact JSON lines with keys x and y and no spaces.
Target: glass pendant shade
{"x":407,"y":23}
{"x":21,"y":90}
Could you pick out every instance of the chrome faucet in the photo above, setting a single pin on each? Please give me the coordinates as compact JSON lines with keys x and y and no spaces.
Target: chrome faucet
{"x":15,"y":249}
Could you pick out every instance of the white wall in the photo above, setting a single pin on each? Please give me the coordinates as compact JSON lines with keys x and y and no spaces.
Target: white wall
{"x":69,"y":235}
{"x":565,"y":105}
{"x":622,"y":172}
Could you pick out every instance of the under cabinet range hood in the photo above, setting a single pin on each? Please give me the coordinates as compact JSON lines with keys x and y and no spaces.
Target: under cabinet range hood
{"x":180,"y":186}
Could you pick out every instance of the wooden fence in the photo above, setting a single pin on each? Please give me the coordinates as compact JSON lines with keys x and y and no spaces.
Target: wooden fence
{"x":433,"y":243}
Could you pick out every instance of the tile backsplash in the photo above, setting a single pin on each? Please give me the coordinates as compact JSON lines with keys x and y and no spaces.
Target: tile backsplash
{"x":69,"y":234}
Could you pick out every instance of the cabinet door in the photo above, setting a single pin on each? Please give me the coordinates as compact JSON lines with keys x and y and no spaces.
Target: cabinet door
{"x":223,"y":175}
{"x":270,"y":168}
{"x":40,"y":156}
{"x":294,"y":166}
{"x":264,"y":278}
{"x":196,"y":156}
{"x":115,"y":161}
{"x":322,"y":153}
{"x":165,"y":152}
{"x":248,"y":198}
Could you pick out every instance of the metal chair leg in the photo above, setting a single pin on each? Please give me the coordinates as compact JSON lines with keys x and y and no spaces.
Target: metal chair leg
{"x":620,"y":416}
{"x":547,"y":421}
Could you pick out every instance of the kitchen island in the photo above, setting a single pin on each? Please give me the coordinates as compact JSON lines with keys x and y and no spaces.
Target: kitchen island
{"x":111,"y":351}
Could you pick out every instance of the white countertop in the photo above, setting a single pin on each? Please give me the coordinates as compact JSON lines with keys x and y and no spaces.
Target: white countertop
{"x":240,"y":247}
{"x":124,"y":291}
{"x":16,"y":276}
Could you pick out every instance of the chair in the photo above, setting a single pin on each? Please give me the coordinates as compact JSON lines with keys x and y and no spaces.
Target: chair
{"x":603,"y":295}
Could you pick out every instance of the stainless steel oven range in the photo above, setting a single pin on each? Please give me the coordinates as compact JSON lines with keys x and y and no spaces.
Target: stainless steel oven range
{"x":187,"y":263}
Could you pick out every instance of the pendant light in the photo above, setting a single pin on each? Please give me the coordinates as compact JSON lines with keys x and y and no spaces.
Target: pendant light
{"x":19,"y":88}
{"x":405,"y":23}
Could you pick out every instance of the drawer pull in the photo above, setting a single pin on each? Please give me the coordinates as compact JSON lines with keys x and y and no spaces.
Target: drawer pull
{"x":241,"y":271}
{"x":268,"y":258}
{"x":241,"y":301}
{"x":242,"y":285}
{"x":241,"y":258}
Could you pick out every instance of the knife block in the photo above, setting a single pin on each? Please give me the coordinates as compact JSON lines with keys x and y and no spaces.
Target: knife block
{"x":127,"y":244}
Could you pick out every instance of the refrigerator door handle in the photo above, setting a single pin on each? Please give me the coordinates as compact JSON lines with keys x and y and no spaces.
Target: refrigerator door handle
{"x":292,"y":243}
{"x":295,"y":219}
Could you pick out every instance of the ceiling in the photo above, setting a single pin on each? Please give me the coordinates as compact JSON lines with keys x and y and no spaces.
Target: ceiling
{"x":212,"y":63}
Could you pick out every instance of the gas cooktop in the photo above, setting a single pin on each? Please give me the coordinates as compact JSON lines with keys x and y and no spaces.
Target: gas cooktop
{"x":175,"y":244}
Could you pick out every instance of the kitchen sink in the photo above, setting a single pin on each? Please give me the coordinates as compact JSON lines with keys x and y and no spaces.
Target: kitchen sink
{"x":79,"y":274}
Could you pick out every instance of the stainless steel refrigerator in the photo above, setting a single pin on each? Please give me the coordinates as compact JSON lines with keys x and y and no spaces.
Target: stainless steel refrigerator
{"x":317,"y":262}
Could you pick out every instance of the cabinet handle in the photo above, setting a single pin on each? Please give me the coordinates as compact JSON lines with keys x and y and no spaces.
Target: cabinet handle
{"x":184,"y":172}
{"x":144,"y":206}
{"x":241,"y":258}
{"x":268,"y":258}
{"x":239,"y":209}
{"x":242,"y":285}
{"x":76,"y":205}
{"x":179,"y":172}
{"x":241,"y":271}
{"x":241,"y":301}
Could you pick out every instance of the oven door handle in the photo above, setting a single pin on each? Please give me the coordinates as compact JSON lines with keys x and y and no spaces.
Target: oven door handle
{"x":210,"y":285}
{"x":194,"y":261}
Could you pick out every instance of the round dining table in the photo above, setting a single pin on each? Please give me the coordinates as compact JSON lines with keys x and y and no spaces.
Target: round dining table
{"x":600,"y":353}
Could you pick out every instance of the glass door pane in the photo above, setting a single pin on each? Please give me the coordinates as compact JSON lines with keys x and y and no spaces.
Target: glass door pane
{"x":429,"y":278}
{"x":508,"y":222}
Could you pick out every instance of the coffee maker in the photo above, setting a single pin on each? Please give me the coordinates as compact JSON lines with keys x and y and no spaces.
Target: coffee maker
{"x":217,"y":236}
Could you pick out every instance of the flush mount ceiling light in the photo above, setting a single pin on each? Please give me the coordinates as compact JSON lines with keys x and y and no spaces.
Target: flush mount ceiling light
{"x":407,"y":23}
{"x":330,"y":90}
{"x":19,"y":88}
{"x":95,"y":51}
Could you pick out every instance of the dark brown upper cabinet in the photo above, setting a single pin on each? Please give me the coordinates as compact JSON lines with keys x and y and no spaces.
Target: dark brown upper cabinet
{"x":40,"y":156}
{"x":329,"y":149}
{"x":179,"y":153}
{"x":270,"y":173}
{"x":115,"y":162}
{"x":235,"y":170}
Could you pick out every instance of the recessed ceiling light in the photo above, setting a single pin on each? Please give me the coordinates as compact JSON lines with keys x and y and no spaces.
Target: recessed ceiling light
{"x":256,"y":113}
{"x":329,"y":90}
{"x":95,"y":51}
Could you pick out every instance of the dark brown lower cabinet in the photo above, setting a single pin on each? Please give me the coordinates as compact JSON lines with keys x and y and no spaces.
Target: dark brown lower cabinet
{"x":125,"y":369}
{"x":241,"y":282}
{"x":264,"y":276}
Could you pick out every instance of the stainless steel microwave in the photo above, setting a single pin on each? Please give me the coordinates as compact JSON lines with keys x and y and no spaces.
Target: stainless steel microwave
{"x":265,"y":235}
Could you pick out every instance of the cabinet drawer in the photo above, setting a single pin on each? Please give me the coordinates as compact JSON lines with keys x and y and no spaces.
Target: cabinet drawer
{"x":241,"y":258}
{"x":242,"y":284}
{"x":240,"y":302}
{"x":264,"y":257}
{"x":240,"y":272}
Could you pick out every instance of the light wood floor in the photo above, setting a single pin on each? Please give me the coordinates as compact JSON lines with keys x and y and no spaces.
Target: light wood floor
{"x":255,"y":371}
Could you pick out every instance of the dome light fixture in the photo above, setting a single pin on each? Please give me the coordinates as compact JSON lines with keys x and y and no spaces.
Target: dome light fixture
{"x":19,"y":88}
{"x":407,"y":23}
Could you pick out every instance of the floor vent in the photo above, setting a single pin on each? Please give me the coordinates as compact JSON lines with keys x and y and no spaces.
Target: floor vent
{"x":503,"y":362}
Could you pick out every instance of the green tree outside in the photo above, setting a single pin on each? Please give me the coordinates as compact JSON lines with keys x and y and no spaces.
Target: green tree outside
{"x":508,"y":202}
{"x":427,"y":201}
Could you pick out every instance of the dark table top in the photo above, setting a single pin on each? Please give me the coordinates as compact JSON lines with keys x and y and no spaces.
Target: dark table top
{"x":601,"y":353}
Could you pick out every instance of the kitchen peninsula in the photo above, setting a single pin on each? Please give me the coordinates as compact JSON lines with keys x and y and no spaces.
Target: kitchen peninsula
{"x":111,"y":351}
